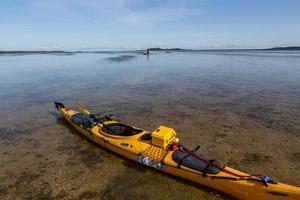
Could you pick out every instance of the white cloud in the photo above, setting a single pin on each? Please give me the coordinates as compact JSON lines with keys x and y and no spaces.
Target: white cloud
{"x":158,"y":14}
{"x":51,"y":47}
{"x":128,"y":12}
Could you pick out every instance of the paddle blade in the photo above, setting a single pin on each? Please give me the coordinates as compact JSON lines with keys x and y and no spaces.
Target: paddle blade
{"x":82,"y":108}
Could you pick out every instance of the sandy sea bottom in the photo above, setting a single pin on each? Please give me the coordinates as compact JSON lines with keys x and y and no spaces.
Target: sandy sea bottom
{"x":243,"y":109}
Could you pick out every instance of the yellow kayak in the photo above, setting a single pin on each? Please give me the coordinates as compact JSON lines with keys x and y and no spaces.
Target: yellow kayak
{"x":161,"y":150}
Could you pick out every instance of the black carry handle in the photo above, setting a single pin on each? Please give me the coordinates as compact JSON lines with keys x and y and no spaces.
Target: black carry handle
{"x":59,"y":105}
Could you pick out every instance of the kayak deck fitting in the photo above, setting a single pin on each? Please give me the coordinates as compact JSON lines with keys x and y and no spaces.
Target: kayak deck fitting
{"x":161,"y":150}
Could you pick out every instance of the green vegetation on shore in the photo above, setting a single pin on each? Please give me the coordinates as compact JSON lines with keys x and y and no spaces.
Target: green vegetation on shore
{"x":37,"y":52}
{"x":285,"y":48}
{"x":10,"y":52}
{"x":166,"y":49}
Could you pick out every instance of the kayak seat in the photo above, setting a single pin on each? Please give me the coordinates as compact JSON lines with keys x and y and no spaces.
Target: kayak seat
{"x":183,"y":158}
{"x":120,"y":130}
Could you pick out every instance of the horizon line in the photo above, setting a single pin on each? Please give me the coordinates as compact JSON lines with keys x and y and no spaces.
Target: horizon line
{"x":153,"y":49}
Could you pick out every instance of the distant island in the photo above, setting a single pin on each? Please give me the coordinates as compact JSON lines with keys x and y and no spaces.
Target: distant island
{"x":39,"y":52}
{"x":165,"y":49}
{"x":289,"y":48}
{"x":285,"y":48}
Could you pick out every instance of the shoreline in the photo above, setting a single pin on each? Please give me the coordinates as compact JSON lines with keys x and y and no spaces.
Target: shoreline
{"x":151,"y":49}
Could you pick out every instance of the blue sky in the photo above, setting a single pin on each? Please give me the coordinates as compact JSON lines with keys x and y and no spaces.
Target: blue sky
{"x":135,"y":24}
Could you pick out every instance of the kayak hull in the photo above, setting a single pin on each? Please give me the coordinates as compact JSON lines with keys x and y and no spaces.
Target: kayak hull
{"x":241,"y":189}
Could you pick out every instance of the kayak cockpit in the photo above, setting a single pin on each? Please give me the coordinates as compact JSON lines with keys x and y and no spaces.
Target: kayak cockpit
{"x":185,"y":159}
{"x":118,"y":129}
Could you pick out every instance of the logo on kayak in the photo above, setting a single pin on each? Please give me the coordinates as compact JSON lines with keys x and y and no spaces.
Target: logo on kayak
{"x":124,"y":144}
{"x":151,"y":163}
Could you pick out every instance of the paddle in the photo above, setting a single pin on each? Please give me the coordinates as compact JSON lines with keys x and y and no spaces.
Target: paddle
{"x":82,"y":108}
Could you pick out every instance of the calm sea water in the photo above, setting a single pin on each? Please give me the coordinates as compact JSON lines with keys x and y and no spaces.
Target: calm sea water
{"x":242,"y":107}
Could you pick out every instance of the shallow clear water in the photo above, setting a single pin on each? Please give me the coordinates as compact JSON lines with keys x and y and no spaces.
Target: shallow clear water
{"x":242,"y":108}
